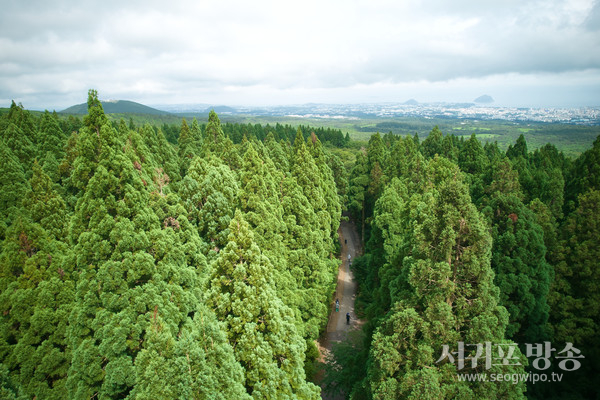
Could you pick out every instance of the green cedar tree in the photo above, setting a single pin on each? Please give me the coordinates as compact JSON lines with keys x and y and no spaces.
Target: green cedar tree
{"x":441,"y":288}
{"x":259,"y":326}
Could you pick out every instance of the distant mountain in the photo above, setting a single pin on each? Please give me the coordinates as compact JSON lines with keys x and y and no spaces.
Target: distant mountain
{"x":116,"y":107}
{"x":411,"y":102}
{"x":485,"y":99}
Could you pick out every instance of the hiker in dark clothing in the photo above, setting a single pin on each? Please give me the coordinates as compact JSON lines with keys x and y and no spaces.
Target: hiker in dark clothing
{"x":348,"y":318}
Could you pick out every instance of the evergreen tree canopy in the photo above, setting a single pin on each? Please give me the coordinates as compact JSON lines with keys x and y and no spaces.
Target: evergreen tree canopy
{"x":522,"y":273}
{"x":138,"y":289}
{"x":441,"y":289}
{"x":199,"y":261}
{"x":13,"y":186}
{"x":432,"y":144}
{"x":259,"y":326}
{"x":583,"y":176}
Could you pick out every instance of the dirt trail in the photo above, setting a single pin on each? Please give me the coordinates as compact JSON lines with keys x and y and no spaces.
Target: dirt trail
{"x":337,"y":328}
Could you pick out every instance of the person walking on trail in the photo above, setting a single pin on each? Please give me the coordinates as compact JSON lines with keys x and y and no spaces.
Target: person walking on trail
{"x":347,"y":318}
{"x":349,"y":257}
{"x":337,"y":305}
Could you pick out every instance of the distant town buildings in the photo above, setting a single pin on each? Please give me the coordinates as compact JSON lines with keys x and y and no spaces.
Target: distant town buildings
{"x":583,"y":115}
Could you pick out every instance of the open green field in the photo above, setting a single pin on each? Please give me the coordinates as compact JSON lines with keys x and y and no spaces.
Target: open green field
{"x":569,"y":138}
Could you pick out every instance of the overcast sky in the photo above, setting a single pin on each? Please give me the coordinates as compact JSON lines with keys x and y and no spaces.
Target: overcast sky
{"x":521,"y":52}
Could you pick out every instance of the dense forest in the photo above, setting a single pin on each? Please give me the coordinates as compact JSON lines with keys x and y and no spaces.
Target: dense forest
{"x":467,"y":243}
{"x":200,"y":261}
{"x":134,"y":268}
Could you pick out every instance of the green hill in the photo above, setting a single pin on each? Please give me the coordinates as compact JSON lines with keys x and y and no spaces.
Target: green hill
{"x":116,"y":107}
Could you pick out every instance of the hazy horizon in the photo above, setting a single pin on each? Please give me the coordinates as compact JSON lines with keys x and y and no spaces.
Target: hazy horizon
{"x":175,"y":105}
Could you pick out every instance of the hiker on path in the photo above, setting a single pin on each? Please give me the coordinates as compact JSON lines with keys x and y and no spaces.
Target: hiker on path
{"x":347,"y":318}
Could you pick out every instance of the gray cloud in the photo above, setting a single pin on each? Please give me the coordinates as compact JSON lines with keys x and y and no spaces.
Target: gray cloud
{"x":592,"y":21}
{"x":51,"y":53}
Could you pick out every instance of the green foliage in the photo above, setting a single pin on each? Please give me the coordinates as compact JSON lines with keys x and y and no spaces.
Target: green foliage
{"x":37,"y":293}
{"x":138,"y":296}
{"x":312,"y":212}
{"x":131,"y":267}
{"x":13,"y":186}
{"x":8,"y":389}
{"x":259,"y":199}
{"x":376,"y":153}
{"x":583,"y":176}
{"x":18,"y":132}
{"x":197,"y":364}
{"x":424,"y":239}
{"x":259,"y":326}
{"x":340,"y":176}
{"x":45,"y":205}
{"x":215,"y":138}
{"x":189,"y":143}
{"x":432,"y":144}
{"x":419,"y":224}
{"x":277,"y":152}
{"x":574,"y":295}
{"x":522,"y":273}
{"x":210,"y":191}
{"x":345,"y":365}
{"x":472,"y":158}
{"x":519,"y":149}
{"x":548,"y":222}
{"x":90,"y":142}
{"x":95,"y":117}
{"x":358,"y":184}
{"x":440,"y":286}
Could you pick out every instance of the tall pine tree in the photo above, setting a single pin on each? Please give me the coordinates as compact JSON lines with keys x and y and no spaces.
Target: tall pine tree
{"x":441,"y":288}
{"x":138,"y":288}
{"x":259,"y":326}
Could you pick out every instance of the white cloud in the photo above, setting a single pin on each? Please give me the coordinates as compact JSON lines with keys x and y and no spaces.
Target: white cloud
{"x":264,"y":52}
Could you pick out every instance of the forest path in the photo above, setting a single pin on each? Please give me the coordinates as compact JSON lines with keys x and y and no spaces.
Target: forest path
{"x":337,"y":328}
